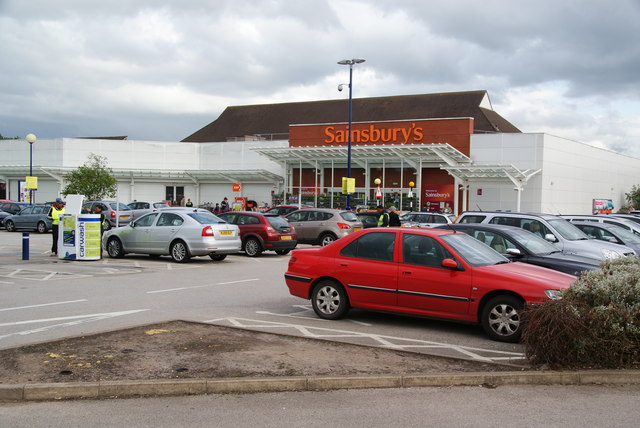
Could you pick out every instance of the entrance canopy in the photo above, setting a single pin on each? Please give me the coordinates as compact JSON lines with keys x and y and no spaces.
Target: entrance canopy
{"x":212,"y":176}
{"x":429,"y":155}
{"x":467,"y":173}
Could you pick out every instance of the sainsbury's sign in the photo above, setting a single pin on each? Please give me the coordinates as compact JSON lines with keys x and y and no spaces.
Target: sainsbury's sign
{"x":374,"y":134}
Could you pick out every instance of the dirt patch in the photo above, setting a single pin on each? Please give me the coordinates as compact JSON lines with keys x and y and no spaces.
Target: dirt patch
{"x":190,"y":350}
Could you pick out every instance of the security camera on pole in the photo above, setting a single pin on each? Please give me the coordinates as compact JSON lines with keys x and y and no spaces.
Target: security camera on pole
{"x":348,"y":183}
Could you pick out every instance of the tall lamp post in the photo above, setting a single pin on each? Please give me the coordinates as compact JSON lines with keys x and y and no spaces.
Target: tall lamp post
{"x":31,"y":138}
{"x":350,"y":63}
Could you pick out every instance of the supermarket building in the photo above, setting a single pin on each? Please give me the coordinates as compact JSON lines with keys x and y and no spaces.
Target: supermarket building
{"x":432,"y":151}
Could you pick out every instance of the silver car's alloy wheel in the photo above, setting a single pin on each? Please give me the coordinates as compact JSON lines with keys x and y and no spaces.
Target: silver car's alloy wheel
{"x":252,"y":247}
{"x":9,"y":226}
{"x":501,"y":319}
{"x":114,"y":248}
{"x":179,"y":252}
{"x":329,"y":300}
{"x":327,"y":239}
{"x":42,"y":227}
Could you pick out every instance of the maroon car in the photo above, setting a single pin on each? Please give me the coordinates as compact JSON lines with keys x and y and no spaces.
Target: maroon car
{"x":262,"y":232}
{"x":427,"y":272}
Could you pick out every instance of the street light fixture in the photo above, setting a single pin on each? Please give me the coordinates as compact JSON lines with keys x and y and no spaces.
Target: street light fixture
{"x":350,"y":63}
{"x":31,"y":138}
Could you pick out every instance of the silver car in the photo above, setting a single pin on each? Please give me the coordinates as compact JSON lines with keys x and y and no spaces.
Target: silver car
{"x":557,"y":230}
{"x":117,"y":213}
{"x":425,"y":219}
{"x":180,"y":233}
{"x":322,"y":226}
{"x":622,"y":222}
{"x":141,"y":208}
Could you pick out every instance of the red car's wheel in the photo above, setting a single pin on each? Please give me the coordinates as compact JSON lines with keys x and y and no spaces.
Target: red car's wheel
{"x":501,"y":318}
{"x":329,"y":300}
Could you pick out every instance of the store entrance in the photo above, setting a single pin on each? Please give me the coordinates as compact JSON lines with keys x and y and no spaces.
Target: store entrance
{"x":174,"y":194}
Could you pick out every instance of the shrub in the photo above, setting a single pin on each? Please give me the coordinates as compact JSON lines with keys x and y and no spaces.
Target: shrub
{"x":596,"y":324}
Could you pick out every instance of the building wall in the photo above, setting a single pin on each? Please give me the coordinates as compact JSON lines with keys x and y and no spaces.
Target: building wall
{"x":573,"y":174}
{"x":144,"y":155}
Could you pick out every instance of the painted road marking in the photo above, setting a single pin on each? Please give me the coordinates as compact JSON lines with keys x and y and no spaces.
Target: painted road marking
{"x":307,"y":313}
{"x":42,"y":305}
{"x":167,"y":290}
{"x":382,"y":341}
{"x":39,"y":275}
{"x":73,"y":320}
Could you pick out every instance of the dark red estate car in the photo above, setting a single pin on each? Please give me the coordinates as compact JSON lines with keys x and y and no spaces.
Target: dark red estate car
{"x":427,"y":272}
{"x":261,"y":232}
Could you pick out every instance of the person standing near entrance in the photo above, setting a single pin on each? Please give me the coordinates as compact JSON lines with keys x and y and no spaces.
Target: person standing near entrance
{"x":56,"y":211}
{"x":188,"y":203}
{"x":224,"y":205}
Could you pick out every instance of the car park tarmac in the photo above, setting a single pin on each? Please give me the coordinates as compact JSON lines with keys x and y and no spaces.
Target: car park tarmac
{"x":46,"y":299}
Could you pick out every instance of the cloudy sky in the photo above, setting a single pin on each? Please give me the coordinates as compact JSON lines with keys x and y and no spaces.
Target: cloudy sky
{"x":160,"y":70}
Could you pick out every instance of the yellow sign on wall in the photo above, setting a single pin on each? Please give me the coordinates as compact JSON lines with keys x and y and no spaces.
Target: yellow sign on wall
{"x":348,"y":185}
{"x":32,"y":183}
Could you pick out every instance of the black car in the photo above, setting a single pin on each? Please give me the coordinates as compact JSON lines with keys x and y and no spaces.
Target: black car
{"x":368,"y":218}
{"x":523,"y":246}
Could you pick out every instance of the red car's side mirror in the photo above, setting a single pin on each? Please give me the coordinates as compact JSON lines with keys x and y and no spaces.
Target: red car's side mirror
{"x":450,"y":263}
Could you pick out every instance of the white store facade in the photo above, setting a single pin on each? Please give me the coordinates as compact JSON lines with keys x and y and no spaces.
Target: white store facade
{"x":501,"y":171}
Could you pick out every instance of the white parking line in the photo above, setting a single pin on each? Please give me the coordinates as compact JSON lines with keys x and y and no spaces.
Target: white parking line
{"x":74,"y":320}
{"x":383,"y":341}
{"x":43,"y":304}
{"x":167,"y":290}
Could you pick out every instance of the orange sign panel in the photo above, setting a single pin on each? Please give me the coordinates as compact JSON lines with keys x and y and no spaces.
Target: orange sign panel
{"x":236,"y":187}
{"x":455,"y":132}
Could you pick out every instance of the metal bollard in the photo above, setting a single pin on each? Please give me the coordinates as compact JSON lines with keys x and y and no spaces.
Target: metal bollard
{"x":25,"y":245}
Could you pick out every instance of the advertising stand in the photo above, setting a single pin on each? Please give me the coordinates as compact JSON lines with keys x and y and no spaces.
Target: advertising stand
{"x":79,"y":237}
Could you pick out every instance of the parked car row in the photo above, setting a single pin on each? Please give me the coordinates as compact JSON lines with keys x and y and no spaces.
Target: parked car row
{"x":483,"y":268}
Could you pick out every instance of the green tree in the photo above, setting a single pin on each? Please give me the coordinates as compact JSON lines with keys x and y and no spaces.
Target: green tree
{"x":93,"y":180}
{"x":633,"y":197}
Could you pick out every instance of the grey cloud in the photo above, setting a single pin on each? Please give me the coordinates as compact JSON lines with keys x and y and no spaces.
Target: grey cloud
{"x":161,"y":69}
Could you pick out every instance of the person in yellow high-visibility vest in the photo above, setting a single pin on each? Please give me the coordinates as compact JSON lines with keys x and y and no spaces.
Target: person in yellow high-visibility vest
{"x":56,"y":211}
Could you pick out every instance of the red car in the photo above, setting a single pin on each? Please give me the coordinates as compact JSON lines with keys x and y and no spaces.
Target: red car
{"x":427,"y":272}
{"x":260,"y":232}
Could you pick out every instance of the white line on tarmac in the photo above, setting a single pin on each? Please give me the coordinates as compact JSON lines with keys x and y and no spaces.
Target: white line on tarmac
{"x":73,"y":317}
{"x":166,"y":290}
{"x":43,"y":304}
{"x":74,"y":320}
{"x":389,"y":342}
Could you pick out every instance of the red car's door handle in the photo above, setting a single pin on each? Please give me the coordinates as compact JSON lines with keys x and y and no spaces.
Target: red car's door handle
{"x":407,"y":272}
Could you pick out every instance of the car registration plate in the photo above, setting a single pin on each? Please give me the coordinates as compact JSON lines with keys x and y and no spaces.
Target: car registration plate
{"x":355,"y":229}
{"x":226,"y":232}
{"x":285,"y":238}
{"x":124,"y":217}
